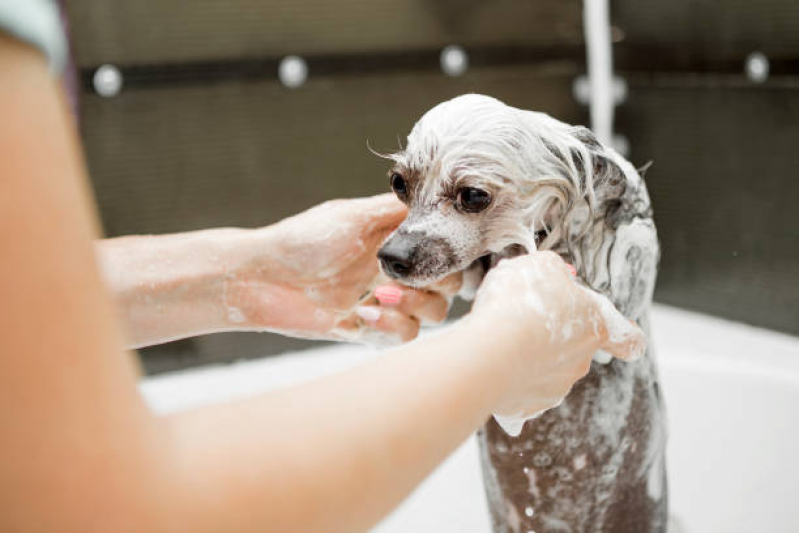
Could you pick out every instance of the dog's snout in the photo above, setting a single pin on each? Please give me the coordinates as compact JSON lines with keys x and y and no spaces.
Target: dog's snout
{"x":416,"y":258}
{"x":396,"y":258}
{"x":396,"y":267}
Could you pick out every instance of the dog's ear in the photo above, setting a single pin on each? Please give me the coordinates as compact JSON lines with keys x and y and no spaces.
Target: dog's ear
{"x":607,"y":182}
{"x":590,"y":178}
{"x":588,"y":166}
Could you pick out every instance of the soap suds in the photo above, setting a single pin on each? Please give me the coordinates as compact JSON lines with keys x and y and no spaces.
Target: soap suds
{"x":602,"y":357}
{"x":235,"y":315}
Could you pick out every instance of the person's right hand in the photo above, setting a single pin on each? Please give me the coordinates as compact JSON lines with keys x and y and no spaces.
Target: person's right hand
{"x":548,"y":328}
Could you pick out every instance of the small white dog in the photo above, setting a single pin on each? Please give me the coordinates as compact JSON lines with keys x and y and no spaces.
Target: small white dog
{"x":484,"y":180}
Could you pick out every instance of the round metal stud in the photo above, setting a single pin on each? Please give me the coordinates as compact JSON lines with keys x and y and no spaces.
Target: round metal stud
{"x":454,"y":61}
{"x":757,"y":67}
{"x":107,"y":81}
{"x":581,"y":90}
{"x":293,"y":71}
{"x":622,"y":145}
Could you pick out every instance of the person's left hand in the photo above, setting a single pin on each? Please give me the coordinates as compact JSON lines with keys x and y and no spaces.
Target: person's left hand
{"x":314,"y":275}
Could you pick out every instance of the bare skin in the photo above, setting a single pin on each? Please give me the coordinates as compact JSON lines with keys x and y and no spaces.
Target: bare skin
{"x":81,"y":451}
{"x":306,"y":276}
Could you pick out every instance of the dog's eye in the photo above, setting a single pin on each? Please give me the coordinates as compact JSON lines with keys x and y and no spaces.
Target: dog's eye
{"x":399,"y":185}
{"x":473,"y":200}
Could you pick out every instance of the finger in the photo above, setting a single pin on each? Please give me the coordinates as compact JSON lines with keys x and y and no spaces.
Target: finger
{"x":449,"y":286}
{"x":545,"y":262}
{"x":546,"y":257}
{"x":623,"y":338}
{"x":389,"y":321}
{"x":571,"y":269}
{"x":384,"y":213}
{"x":426,"y":306}
{"x":630,"y":347}
{"x":581,"y":370}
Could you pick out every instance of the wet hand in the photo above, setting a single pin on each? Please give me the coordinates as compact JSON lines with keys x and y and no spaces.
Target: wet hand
{"x":314,"y":275}
{"x":549,"y":328}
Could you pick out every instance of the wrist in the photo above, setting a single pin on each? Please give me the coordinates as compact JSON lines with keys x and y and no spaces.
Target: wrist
{"x":509,"y":341}
{"x":172,"y":286}
{"x":257,"y":290}
{"x":238,"y":270}
{"x":490,"y":344}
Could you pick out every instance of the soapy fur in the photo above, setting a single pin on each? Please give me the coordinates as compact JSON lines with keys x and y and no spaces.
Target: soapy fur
{"x":594,"y":463}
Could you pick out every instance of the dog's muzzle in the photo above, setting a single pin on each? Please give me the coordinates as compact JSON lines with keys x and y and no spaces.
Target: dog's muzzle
{"x":397,"y":258}
{"x":416,"y":256}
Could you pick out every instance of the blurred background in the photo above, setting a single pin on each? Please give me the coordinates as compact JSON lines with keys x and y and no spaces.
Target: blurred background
{"x":193,"y":117}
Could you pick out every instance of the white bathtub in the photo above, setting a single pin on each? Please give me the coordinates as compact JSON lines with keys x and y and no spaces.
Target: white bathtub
{"x":732,"y":393}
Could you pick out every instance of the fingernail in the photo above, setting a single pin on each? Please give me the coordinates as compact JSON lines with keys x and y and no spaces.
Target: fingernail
{"x":571,"y":269}
{"x":637,"y":351}
{"x":388,"y":295}
{"x":368,"y":313}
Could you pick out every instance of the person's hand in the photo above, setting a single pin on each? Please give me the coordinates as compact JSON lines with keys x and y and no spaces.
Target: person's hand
{"x":548,"y":328}
{"x":314,"y":275}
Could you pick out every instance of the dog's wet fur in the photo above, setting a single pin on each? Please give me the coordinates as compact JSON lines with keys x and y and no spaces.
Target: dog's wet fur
{"x":483,"y":181}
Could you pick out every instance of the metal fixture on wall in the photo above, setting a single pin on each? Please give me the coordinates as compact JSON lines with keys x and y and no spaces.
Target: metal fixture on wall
{"x":293,"y":71}
{"x":107,"y":81}
{"x":582,"y":91}
{"x":601,"y":90}
{"x":596,"y":23}
{"x":454,"y":60}
{"x":757,"y":67}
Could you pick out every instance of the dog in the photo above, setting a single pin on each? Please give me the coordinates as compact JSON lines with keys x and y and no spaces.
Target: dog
{"x":484,"y":181}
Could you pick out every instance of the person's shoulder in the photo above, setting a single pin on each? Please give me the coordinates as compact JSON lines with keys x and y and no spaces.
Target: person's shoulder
{"x":38,"y":23}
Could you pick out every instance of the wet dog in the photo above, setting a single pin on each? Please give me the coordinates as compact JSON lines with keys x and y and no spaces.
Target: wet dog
{"x":484,"y":181}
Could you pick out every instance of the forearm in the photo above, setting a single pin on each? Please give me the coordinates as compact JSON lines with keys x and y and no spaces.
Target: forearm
{"x":341,"y":452}
{"x":172,"y":286}
{"x":76,"y":435}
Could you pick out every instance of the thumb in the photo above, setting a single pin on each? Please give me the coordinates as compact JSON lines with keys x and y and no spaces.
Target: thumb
{"x":623,"y":339}
{"x":384,"y":213}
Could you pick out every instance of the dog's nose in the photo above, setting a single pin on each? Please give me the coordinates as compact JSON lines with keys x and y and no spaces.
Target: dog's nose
{"x":396,"y":261}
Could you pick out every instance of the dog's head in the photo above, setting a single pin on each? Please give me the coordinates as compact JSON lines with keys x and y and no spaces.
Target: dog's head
{"x":484,"y":180}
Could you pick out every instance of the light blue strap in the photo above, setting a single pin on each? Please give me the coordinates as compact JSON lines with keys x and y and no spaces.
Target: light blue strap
{"x":36,"y":22}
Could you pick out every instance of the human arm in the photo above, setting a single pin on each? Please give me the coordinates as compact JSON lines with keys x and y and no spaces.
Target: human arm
{"x":305,"y":276}
{"x":374,"y":432}
{"x":73,"y":421}
{"x":81,"y":450}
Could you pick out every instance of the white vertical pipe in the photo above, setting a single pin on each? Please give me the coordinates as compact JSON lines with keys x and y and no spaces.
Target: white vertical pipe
{"x":596,"y":24}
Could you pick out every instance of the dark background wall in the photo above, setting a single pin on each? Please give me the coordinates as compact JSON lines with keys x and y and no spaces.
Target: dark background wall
{"x":725,"y":181}
{"x":204,"y":134}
